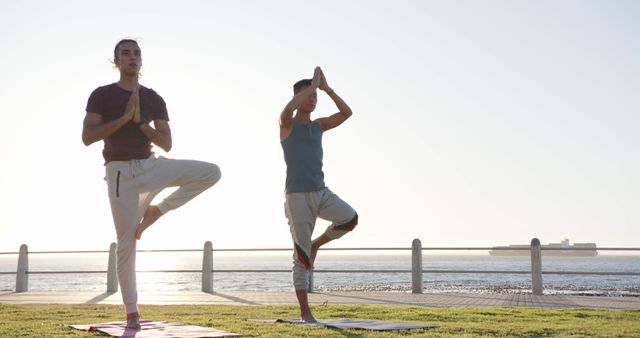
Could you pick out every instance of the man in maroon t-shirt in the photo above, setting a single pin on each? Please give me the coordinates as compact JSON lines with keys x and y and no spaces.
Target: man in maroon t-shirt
{"x":129,"y":118}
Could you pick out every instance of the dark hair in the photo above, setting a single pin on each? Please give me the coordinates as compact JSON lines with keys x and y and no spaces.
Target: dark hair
{"x":301,"y":84}
{"x":115,"y":50}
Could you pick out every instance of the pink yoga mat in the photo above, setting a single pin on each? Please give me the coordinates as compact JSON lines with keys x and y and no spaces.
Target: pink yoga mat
{"x":155,"y":329}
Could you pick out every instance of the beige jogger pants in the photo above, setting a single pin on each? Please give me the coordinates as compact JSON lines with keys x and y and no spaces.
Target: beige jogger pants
{"x":132,"y":185}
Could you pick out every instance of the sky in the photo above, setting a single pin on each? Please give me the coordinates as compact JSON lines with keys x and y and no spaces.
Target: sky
{"x":475,"y":123}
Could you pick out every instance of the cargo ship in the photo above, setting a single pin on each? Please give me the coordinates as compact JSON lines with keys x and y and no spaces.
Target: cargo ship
{"x":552,"y":249}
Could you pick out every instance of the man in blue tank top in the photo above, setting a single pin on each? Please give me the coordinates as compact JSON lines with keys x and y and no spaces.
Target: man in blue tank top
{"x":306,"y":196}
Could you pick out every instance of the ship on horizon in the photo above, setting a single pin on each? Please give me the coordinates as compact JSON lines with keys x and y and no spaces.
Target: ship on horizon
{"x":552,"y":249}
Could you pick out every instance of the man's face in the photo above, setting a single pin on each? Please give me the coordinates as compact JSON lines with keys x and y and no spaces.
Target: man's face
{"x":129,"y":58}
{"x":310,"y":104}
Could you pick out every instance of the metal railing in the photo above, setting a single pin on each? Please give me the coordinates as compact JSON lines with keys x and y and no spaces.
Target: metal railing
{"x":22,"y":273}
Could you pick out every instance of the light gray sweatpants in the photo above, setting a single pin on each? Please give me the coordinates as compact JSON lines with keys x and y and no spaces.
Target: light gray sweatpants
{"x":132,"y":185}
{"x":302,"y":210}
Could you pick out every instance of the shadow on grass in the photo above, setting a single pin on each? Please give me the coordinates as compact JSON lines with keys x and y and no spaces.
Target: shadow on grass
{"x":99,"y":298}
{"x":235,"y":299}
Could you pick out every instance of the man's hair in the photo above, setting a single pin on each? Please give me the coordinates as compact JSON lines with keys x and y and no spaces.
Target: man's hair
{"x":297,"y":87}
{"x":115,"y":50}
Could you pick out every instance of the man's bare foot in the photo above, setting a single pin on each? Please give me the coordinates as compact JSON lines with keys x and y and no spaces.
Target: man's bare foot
{"x":305,"y":311}
{"x":309,"y":318}
{"x":133,"y":321}
{"x":150,"y":216}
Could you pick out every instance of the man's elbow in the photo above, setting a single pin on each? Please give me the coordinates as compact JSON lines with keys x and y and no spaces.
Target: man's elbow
{"x":167,"y":147}
{"x":87,"y":140}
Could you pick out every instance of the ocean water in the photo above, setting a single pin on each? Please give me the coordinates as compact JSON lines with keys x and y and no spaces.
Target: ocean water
{"x":609,"y":285}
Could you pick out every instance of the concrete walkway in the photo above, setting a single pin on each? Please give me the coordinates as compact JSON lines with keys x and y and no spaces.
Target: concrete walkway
{"x":354,"y":297}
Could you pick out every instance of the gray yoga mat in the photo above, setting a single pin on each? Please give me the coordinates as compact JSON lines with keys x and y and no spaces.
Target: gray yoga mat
{"x":362,"y":324}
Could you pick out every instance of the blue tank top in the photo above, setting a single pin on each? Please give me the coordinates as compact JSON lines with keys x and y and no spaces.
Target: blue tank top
{"x":303,"y":156}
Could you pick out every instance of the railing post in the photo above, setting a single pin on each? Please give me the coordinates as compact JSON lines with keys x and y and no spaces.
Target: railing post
{"x":112,"y":275}
{"x":207,"y":267}
{"x":22,"y":277}
{"x":416,"y":266}
{"x":310,"y":289}
{"x":536,"y":267}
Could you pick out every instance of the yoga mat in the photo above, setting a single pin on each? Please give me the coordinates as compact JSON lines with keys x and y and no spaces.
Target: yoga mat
{"x":154,"y":329}
{"x":362,"y":324}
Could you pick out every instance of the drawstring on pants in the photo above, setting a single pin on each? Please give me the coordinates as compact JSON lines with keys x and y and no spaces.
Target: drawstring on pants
{"x":136,"y":166}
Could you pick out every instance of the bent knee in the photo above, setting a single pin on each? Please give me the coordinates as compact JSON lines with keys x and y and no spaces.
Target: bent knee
{"x":338,"y":230}
{"x":350,"y":225}
{"x":214,"y":174}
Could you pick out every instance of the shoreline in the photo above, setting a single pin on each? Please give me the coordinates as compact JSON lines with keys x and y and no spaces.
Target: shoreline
{"x":504,"y":289}
{"x":628,"y":292}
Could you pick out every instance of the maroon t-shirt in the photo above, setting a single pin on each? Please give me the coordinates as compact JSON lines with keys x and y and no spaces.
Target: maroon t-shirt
{"x":128,"y":142}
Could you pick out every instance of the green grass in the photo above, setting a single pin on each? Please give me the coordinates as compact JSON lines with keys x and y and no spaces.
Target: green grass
{"x":50,"y":320}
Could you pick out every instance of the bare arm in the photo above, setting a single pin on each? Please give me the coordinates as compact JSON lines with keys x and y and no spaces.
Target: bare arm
{"x":94,"y":130}
{"x":286,"y":116}
{"x":160,"y":135}
{"x":344,"y":112}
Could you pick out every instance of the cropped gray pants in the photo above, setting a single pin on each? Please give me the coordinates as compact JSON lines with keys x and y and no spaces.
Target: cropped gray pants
{"x":302,"y":210}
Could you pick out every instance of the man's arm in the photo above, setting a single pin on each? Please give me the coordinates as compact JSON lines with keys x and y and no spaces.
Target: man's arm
{"x":94,"y":130}
{"x":286,"y":117}
{"x":160,"y":135}
{"x":344,"y":112}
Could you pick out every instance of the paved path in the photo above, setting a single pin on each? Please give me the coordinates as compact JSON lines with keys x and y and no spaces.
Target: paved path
{"x":353,"y":297}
